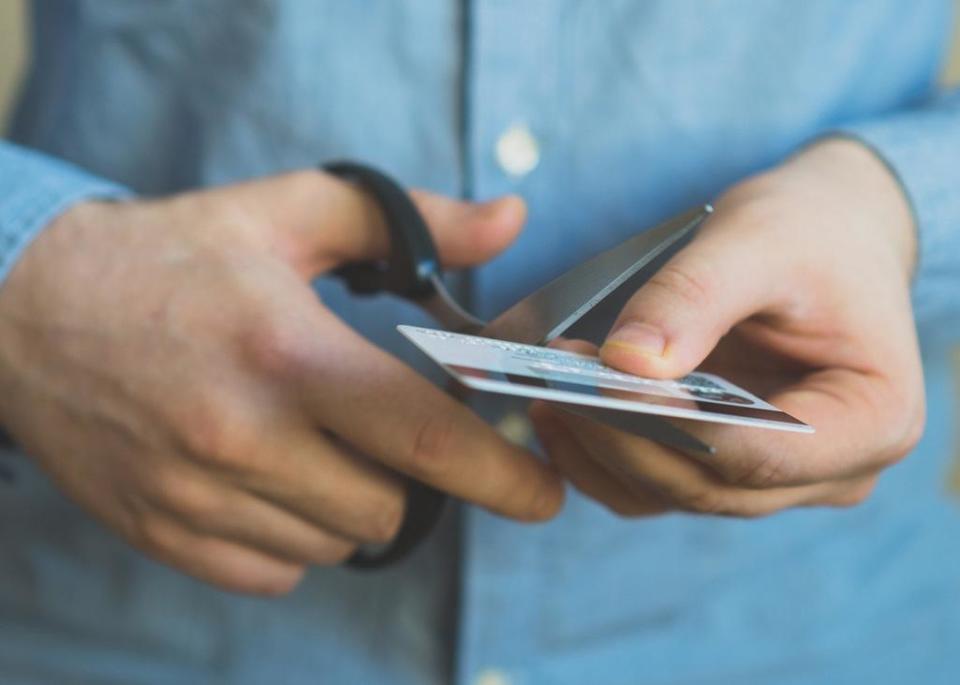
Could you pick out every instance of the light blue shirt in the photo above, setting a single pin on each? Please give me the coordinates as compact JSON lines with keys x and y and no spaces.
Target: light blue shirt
{"x":638,"y":109}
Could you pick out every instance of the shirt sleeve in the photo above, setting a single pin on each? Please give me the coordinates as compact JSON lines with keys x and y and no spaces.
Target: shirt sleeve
{"x":921,"y":146}
{"x":34,"y":189}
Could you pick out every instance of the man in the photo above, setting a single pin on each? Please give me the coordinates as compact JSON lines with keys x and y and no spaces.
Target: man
{"x":179,"y":395}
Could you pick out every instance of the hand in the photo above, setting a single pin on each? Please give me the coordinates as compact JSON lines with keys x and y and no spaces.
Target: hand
{"x":798,"y":289}
{"x":168,"y":365}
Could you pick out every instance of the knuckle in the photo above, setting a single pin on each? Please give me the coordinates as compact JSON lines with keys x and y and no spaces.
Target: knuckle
{"x":766,"y":472}
{"x":433,"y":439}
{"x":690,"y":284}
{"x":189,"y":498}
{"x":204,"y":428}
{"x":306,"y":181}
{"x":756,"y":203}
{"x":529,"y":495}
{"x":214,"y":434}
{"x":277,"y":347}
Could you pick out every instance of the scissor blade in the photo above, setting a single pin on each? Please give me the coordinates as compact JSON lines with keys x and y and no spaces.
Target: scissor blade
{"x":646,"y":426}
{"x":548,"y":312}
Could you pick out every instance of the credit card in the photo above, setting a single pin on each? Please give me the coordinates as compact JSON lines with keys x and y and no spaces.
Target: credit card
{"x":548,"y":374}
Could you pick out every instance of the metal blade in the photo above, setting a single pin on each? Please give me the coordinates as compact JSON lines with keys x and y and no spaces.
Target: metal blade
{"x":645,"y":426}
{"x":443,"y":307}
{"x":548,"y":312}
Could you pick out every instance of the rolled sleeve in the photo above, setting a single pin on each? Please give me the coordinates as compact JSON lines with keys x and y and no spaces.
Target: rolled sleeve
{"x":35,"y":189}
{"x":922,"y":148}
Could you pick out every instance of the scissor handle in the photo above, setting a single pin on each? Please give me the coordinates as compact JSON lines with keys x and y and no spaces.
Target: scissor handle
{"x":411,"y":271}
{"x":413,"y":266}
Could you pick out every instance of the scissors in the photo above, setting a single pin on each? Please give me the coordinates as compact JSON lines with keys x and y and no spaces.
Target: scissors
{"x":413,"y":272}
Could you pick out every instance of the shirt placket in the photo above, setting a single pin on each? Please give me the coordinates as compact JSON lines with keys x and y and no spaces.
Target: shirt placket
{"x":510,"y":103}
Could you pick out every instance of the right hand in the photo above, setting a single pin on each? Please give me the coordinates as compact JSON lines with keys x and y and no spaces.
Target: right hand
{"x":168,"y":365}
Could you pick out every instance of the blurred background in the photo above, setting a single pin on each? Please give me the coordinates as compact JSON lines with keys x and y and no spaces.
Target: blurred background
{"x":13,"y":44}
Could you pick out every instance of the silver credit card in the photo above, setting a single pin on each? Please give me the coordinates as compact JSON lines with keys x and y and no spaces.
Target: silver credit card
{"x":548,"y":374}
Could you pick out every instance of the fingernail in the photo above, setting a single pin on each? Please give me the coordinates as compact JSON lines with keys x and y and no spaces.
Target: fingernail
{"x":487,"y":206}
{"x":639,"y":337}
{"x":498,"y":205}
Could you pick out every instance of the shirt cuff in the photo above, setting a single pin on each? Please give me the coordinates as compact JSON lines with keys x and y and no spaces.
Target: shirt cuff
{"x":922,"y":149}
{"x":34,"y":190}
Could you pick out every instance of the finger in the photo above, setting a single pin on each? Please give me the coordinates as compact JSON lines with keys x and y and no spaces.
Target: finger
{"x":469,"y":233}
{"x":226,"y":564}
{"x":278,"y":452}
{"x":586,"y":475}
{"x":213,"y":509}
{"x":261,"y":525}
{"x":321,"y":481}
{"x":676,"y":318}
{"x":321,"y":221}
{"x":389,"y":412}
{"x":862,"y":422}
{"x":573,"y":345}
{"x":646,"y":394}
{"x":680,"y":480}
{"x":860,"y":430}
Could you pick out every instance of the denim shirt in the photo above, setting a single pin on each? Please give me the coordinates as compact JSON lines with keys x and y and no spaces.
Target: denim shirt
{"x":605,"y":116}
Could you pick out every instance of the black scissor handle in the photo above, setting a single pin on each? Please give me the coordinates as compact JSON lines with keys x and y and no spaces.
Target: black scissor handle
{"x":413,"y":265}
{"x":410,"y":271}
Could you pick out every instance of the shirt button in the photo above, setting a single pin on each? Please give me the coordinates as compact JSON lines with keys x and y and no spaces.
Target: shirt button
{"x":515,"y":428}
{"x":491,"y":676}
{"x":518,"y":152}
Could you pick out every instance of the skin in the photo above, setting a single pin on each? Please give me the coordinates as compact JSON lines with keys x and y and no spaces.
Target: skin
{"x":798,"y":288}
{"x":168,"y":365}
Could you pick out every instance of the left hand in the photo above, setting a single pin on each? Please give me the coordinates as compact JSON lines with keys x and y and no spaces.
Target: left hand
{"x":798,"y":288}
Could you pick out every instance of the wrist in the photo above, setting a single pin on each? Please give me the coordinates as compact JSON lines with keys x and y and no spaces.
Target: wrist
{"x":21,"y":301}
{"x":861,"y":181}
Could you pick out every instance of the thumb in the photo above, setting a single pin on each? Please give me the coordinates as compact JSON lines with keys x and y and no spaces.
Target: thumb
{"x":318,"y":221}
{"x":469,"y":233}
{"x":676,"y":318}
